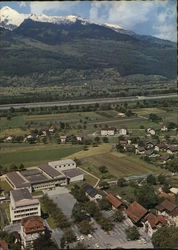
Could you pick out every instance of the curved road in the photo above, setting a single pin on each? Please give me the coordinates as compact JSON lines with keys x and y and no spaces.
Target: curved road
{"x":83,"y":102}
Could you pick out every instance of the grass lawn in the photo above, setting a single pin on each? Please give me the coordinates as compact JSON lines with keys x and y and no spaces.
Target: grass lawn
{"x":14,"y":122}
{"x":50,"y":220}
{"x":5,"y":186}
{"x":4,"y":214}
{"x":126,"y":192}
{"x":88,"y":179}
{"x":37,"y":154}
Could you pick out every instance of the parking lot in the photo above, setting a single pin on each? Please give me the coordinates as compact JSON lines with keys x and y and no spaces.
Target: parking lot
{"x":99,"y":238}
{"x":114,"y":239}
{"x":64,"y":200}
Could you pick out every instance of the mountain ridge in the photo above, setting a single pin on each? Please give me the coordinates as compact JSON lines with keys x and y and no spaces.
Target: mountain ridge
{"x":50,"y":53}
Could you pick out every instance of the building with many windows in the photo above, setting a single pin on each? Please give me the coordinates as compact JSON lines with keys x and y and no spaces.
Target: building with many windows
{"x":22,"y":205}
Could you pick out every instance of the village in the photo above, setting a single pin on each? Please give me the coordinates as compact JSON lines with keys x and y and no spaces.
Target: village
{"x":86,"y":213}
{"x":105,"y":178}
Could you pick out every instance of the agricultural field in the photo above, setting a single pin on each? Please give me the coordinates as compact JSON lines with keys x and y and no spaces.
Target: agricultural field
{"x":118,"y":165}
{"x":32,"y":155}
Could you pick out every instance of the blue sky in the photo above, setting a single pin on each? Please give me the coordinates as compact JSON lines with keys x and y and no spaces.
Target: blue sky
{"x":157,"y":18}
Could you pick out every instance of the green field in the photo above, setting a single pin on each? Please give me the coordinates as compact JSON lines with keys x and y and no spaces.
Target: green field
{"x":119,"y":165}
{"x":37,"y":154}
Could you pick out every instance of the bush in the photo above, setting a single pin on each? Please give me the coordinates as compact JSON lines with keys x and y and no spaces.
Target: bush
{"x":132,"y":233}
{"x":104,"y":204}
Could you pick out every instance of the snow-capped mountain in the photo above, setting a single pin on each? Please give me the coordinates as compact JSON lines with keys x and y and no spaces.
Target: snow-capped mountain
{"x":11,"y":19}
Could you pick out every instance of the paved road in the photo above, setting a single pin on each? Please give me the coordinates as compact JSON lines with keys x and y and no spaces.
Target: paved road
{"x":83,"y":102}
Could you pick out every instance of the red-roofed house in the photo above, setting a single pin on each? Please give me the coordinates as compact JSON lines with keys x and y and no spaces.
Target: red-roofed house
{"x":169,"y":210}
{"x":136,"y":212}
{"x":151,"y":222}
{"x":116,"y":202}
{"x":31,"y":228}
{"x":3,"y":245}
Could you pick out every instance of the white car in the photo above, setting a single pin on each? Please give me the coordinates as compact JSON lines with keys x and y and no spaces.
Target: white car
{"x":82,"y":237}
{"x":96,"y":245}
{"x":78,"y":238}
{"x":90,"y":236}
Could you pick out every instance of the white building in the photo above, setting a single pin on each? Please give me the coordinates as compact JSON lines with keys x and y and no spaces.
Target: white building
{"x":31,"y":229}
{"x":63,"y":164}
{"x":164,"y":129}
{"x":73,"y":175}
{"x":123,"y":131}
{"x":151,"y":131}
{"x":108,"y":131}
{"x":63,"y":138}
{"x":22,"y":205}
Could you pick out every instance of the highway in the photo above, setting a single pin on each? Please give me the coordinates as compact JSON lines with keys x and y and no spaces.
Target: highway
{"x":84,"y":102}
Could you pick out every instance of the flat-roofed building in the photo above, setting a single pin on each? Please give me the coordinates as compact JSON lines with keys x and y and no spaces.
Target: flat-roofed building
{"x":73,"y":175}
{"x":22,"y":205}
{"x":63,"y":164}
{"x":17,"y":180}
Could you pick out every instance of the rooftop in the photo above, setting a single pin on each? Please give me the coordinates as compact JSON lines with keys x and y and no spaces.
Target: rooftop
{"x":72,"y":172}
{"x":136,"y":212}
{"x":114,"y":200}
{"x":166,"y":205}
{"x":50,"y":171}
{"x":17,"y":179}
{"x":61,"y":162}
{"x":3,"y":245}
{"x":91,"y":191}
{"x":154,"y":220}
{"x":32,"y":224}
{"x":22,"y":197}
{"x":34,"y":176}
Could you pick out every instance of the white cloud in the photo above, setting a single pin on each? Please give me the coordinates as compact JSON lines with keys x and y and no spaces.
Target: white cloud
{"x":129,"y":14}
{"x":41,"y":7}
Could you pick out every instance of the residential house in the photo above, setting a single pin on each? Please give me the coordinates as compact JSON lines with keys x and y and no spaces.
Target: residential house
{"x":63,"y":138}
{"x":174,"y":190}
{"x":79,"y":138}
{"x":115,"y":202}
{"x":164,"y":129}
{"x":91,"y":192}
{"x":52,"y":129}
{"x":151,"y":131}
{"x":161,"y":147}
{"x":108,"y":131}
{"x":136,"y":212}
{"x":152,"y":222}
{"x":140,"y":150}
{"x":129,"y":148}
{"x":31,"y":229}
{"x":173,"y":149}
{"x":3,"y":245}
{"x":9,"y":139}
{"x":123,"y":131}
{"x":169,"y":210}
{"x":163,"y":159}
{"x":121,"y":114}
